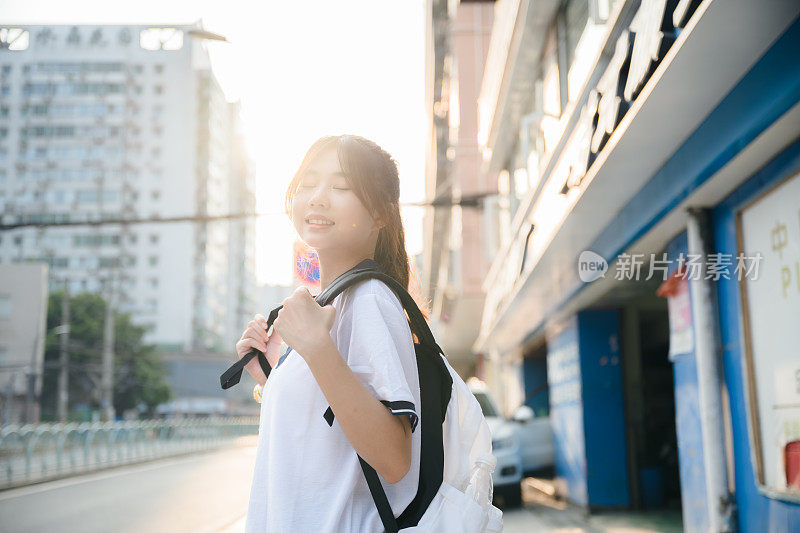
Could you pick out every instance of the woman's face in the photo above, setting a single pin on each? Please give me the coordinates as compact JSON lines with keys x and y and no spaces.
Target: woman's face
{"x":324,"y":191}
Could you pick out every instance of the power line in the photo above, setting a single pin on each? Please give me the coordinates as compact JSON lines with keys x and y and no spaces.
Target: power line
{"x":473,"y":201}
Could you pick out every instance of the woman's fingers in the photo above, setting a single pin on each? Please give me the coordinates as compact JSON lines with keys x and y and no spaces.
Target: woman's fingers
{"x":258,"y":342}
{"x":254,"y":337}
{"x":257,"y":332}
{"x":246,"y":343}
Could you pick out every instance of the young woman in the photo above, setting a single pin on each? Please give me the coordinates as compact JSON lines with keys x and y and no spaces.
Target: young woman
{"x":355,"y":355}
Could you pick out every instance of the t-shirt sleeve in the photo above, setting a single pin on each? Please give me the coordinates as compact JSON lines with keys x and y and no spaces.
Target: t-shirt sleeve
{"x":375,"y":339}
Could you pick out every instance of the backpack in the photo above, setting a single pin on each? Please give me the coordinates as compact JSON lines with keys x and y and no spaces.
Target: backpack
{"x":454,"y":430}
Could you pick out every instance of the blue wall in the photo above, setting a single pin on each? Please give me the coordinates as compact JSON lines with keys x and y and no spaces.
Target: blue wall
{"x":566,"y":411}
{"x":587,"y":409}
{"x":756,"y":511}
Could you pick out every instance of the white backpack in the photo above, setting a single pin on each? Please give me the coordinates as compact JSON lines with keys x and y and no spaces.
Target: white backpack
{"x":454,"y":431}
{"x":466,"y":435}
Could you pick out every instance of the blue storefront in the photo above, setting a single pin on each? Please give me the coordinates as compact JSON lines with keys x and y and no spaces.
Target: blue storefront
{"x":713,"y":357}
{"x":746,"y":113}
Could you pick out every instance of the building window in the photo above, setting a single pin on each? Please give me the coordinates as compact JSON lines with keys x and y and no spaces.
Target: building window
{"x":108,"y":262}
{"x":158,"y":68}
{"x":153,"y":260}
{"x":153,"y":239}
{"x":158,"y":89}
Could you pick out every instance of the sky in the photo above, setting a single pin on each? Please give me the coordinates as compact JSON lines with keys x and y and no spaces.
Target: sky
{"x":302,"y":69}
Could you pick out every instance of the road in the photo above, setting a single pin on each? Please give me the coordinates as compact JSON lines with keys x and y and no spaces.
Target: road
{"x":208,"y":493}
{"x":201,"y":493}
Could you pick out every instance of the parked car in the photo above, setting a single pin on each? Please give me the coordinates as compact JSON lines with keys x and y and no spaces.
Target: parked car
{"x":537,"y":446}
{"x":522,"y":444}
{"x":507,"y":474}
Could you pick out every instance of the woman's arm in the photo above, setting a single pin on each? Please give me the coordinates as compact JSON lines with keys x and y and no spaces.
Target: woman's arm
{"x":382,"y":439}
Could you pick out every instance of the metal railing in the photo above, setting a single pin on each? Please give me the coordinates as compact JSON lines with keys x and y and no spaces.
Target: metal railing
{"x":37,"y":452}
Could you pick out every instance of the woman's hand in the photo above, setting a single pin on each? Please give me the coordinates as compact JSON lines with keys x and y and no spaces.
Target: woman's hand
{"x":303,"y":324}
{"x":255,"y":337}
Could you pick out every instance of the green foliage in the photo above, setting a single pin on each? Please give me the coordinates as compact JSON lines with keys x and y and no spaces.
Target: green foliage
{"x":139,"y":371}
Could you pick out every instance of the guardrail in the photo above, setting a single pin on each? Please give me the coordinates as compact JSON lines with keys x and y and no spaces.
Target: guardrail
{"x":37,"y":452}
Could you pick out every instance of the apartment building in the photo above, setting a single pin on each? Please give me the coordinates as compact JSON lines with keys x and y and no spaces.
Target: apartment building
{"x":128,"y":122}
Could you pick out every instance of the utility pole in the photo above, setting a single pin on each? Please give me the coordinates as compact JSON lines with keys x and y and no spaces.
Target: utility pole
{"x":63,"y":359}
{"x":107,"y":379}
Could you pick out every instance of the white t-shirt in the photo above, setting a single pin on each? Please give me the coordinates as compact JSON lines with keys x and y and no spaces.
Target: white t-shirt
{"x":307,"y":476}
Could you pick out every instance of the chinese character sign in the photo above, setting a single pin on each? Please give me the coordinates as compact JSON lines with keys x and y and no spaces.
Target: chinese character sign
{"x":771,"y":226}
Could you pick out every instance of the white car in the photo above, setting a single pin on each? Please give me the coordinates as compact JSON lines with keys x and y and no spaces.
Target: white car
{"x":522,"y":444}
{"x":505,"y":446}
{"x":537,"y":443}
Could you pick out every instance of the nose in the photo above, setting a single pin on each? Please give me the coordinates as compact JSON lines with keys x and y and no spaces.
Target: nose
{"x":319,"y":196}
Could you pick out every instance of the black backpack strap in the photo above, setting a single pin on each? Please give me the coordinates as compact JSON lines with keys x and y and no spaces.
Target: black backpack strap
{"x":233,"y":375}
{"x":435,"y":391}
{"x":435,"y":385}
{"x":379,"y":496}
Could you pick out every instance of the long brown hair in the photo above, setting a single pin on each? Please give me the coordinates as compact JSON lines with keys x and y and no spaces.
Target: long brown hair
{"x":372,"y":174}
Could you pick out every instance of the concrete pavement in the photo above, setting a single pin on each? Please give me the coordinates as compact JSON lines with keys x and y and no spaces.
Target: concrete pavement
{"x":209,"y":492}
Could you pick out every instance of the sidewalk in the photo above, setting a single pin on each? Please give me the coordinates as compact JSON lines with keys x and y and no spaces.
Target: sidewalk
{"x":542,"y":512}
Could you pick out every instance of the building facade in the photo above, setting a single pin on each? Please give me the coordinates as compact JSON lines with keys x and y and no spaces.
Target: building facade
{"x":458,"y":36}
{"x":649,"y":154}
{"x":128,"y":122}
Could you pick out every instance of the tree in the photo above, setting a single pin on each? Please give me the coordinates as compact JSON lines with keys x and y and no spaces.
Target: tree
{"x":139,"y":371}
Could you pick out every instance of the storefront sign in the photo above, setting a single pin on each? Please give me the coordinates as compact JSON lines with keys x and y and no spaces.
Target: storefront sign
{"x":655,"y":33}
{"x":637,"y":53}
{"x":612,"y":105}
{"x":771,"y":305}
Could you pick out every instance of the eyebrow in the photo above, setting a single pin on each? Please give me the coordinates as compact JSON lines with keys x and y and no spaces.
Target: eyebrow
{"x":314,"y":173}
